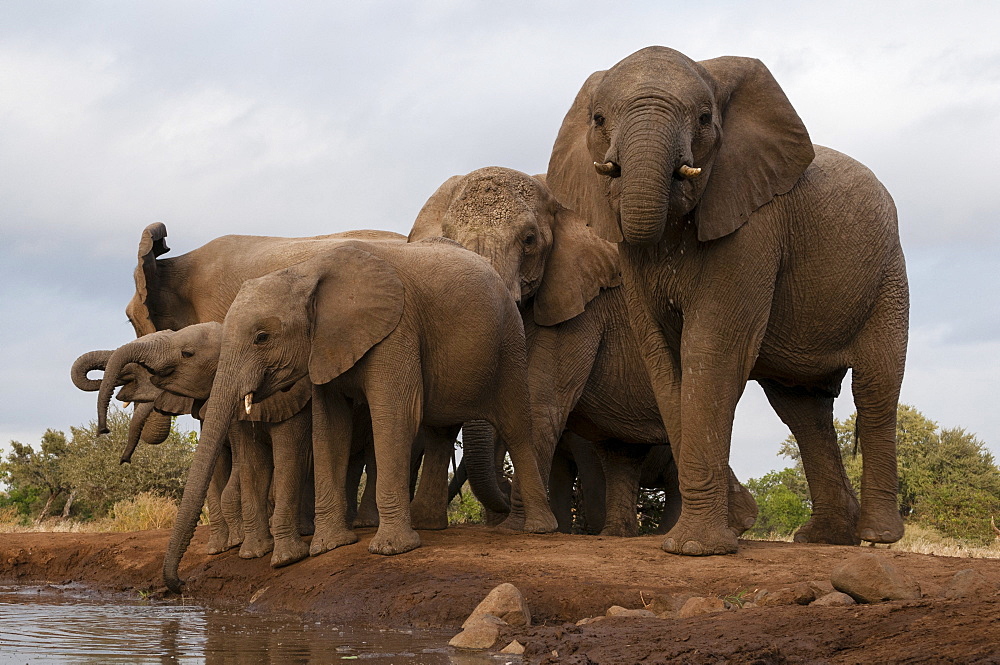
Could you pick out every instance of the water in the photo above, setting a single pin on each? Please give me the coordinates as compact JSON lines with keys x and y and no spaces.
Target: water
{"x":70,"y":624}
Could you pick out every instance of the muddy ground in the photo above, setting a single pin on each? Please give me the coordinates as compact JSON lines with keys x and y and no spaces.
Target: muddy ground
{"x":564,"y":578}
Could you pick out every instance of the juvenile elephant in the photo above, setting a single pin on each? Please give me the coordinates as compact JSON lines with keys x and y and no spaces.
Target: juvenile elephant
{"x":423,"y":333}
{"x":584,"y":368}
{"x":746,"y":253}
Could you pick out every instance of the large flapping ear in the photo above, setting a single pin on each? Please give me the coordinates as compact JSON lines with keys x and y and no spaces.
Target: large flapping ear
{"x":765,"y":147}
{"x":152,"y":244}
{"x":173,"y":404}
{"x":580,"y":264}
{"x":357,"y":302}
{"x":282,"y":405}
{"x":428,"y":221}
{"x":571,"y":175}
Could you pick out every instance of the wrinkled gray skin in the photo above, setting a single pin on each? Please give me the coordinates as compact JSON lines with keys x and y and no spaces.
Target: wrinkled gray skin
{"x":423,"y":333}
{"x":184,"y":363}
{"x":776,"y":261}
{"x":584,"y":368}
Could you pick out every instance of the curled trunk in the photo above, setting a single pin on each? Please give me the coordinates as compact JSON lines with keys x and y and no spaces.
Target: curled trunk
{"x":147,"y":425}
{"x":221,"y":411}
{"x":90,"y":361}
{"x":478,"y":445}
{"x":141,"y":350}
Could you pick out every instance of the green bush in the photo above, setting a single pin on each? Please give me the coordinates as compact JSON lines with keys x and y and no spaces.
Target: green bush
{"x":782,"y":502}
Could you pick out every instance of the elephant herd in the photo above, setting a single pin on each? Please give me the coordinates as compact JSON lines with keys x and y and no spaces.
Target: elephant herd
{"x":687,"y":237}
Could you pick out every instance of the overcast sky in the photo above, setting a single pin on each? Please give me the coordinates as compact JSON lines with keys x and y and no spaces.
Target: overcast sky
{"x":302,"y":118}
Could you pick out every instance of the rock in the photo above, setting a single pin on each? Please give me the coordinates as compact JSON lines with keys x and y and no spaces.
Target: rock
{"x":619,"y":611}
{"x":969,"y":583}
{"x":869,"y":578}
{"x":821,"y":587}
{"x":800,"y":594}
{"x":697,"y":606}
{"x":834,"y":599}
{"x":514,"y":647}
{"x":506,"y":603}
{"x":584,"y":622}
{"x":665,"y":605}
{"x":480,"y":633}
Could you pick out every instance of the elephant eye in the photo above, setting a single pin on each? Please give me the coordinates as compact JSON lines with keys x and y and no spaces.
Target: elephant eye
{"x":705,"y":119}
{"x":529,"y":239}
{"x":187,"y":354}
{"x":598,"y":119}
{"x":260,"y":338}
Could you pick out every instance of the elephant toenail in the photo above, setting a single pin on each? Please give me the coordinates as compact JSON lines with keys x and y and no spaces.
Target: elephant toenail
{"x":749,"y":522}
{"x":693,"y":547}
{"x":669,"y":545}
{"x":868,"y":534}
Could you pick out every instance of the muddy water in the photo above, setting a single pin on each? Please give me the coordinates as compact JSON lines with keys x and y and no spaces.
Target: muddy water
{"x":67,"y":624}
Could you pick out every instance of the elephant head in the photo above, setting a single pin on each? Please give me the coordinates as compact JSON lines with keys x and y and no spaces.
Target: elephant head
{"x":660,"y":139}
{"x":315,"y":319}
{"x":543,"y":251}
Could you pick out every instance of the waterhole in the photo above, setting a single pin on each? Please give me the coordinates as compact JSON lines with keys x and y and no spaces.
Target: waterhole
{"x":70,"y":624}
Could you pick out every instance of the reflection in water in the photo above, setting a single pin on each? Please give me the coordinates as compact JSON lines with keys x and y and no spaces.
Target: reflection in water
{"x":66,"y":624}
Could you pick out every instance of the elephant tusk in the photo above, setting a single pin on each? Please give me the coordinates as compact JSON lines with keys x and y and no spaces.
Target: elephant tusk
{"x":248,"y":402}
{"x":125,"y":405}
{"x":686,"y":171}
{"x":609,"y":169}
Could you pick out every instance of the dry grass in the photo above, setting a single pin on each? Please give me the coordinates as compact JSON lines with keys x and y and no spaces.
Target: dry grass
{"x":143,"y":512}
{"x":920,"y":540}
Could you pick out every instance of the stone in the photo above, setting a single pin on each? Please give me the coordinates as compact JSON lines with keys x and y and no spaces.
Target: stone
{"x":969,"y":583}
{"x":619,"y":611}
{"x":514,"y":647}
{"x":870,"y":578}
{"x":666,"y":605}
{"x":833,"y":599}
{"x":480,"y":633}
{"x":696,"y":606}
{"x":584,"y":622}
{"x":821,"y":587}
{"x":800,"y":594}
{"x":506,"y":603}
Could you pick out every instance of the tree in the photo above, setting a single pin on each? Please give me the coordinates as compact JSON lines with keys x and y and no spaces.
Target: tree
{"x":782,"y":502}
{"x":31,"y":475}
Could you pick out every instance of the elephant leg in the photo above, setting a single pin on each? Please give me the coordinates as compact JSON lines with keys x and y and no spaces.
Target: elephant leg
{"x":622,"y":464}
{"x":218,"y":541}
{"x":514,"y":427}
{"x":810,"y":419}
{"x":562,"y":479}
{"x":307,"y":501}
{"x":876,"y":377}
{"x":367,"y":507}
{"x":290,"y":442}
{"x":232,"y":500}
{"x":429,"y":508}
{"x":332,"y":429}
{"x":742,"y":506}
{"x":255,"y":484}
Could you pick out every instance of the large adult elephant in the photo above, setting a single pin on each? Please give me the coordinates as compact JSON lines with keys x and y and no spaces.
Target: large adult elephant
{"x":424,"y":333}
{"x":584,"y":367}
{"x":746,"y":253}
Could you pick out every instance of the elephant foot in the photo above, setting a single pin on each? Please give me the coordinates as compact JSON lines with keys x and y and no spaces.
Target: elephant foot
{"x":513,"y":522}
{"x":219,"y":542}
{"x":691,"y":538}
{"x":620,"y":530}
{"x":835,"y":530}
{"x":325,"y":540}
{"x":287,"y":551}
{"x":235,"y":538}
{"x":254,"y":548}
{"x":429,"y":520}
{"x":367,"y":517}
{"x":542,"y":523}
{"x":880,"y":523}
{"x":394,"y":540}
{"x":742,"y":510}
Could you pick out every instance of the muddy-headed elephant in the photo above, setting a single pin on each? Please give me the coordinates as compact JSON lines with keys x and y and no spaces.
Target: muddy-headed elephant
{"x":423,"y":333}
{"x":584,"y":367}
{"x":746,"y":253}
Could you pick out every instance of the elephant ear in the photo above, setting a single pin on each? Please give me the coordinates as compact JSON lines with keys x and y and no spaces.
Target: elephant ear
{"x":571,"y":175}
{"x":765,"y":148}
{"x":428,"y":221}
{"x":152,"y":244}
{"x":580,"y":264}
{"x":281,"y":405}
{"x":357,"y":302}
{"x":173,"y":404}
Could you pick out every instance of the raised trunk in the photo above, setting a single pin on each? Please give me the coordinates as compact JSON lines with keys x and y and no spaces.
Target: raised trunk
{"x":221,"y":411}
{"x":141,"y":350}
{"x":648,"y":164}
{"x":92,"y":360}
{"x":478,"y":442}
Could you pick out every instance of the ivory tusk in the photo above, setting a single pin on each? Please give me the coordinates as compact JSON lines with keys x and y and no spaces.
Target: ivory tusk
{"x":248,"y":402}
{"x":126,"y":405}
{"x":608,"y":168}
{"x":688,"y":171}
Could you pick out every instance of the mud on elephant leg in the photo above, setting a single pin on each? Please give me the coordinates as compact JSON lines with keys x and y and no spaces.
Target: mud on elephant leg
{"x":429,"y":508}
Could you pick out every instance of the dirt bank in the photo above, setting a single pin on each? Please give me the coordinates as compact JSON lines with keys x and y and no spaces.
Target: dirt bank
{"x":564,"y":578}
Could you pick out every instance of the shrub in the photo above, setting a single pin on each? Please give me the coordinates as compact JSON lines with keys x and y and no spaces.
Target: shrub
{"x":143,"y":512}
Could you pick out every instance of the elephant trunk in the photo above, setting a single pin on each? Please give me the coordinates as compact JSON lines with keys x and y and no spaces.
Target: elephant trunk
{"x":92,"y":360}
{"x":136,"y":427}
{"x":478,"y":444}
{"x":221,"y":411}
{"x":649,"y":157}
{"x":141,"y":350}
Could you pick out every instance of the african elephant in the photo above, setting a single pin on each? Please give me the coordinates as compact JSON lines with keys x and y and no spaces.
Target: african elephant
{"x":746,"y":253}
{"x":424,"y":333}
{"x":584,"y":367}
